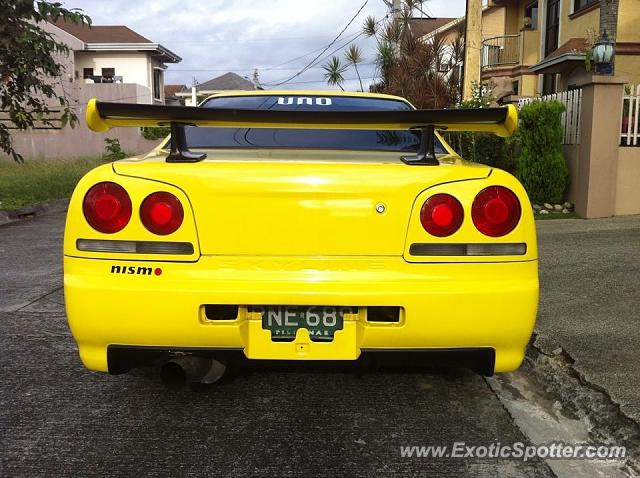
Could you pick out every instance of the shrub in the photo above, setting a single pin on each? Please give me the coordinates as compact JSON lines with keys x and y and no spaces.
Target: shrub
{"x":112,"y":150}
{"x":155,"y":132}
{"x":485,"y":148}
{"x":541,"y":168}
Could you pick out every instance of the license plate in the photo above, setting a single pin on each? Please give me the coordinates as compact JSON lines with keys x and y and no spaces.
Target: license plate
{"x":284,"y":321}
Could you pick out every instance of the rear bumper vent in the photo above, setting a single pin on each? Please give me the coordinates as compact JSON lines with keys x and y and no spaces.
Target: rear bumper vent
{"x":221,"y":312}
{"x":385,"y":314}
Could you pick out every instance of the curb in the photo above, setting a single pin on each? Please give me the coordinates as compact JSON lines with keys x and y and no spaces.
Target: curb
{"x":59,"y":205}
{"x":4,"y":218}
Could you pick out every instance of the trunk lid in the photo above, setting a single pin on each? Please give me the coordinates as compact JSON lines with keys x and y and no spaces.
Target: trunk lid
{"x":301,"y":202}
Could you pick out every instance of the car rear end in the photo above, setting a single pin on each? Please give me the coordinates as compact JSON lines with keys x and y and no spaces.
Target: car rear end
{"x":300,"y":254}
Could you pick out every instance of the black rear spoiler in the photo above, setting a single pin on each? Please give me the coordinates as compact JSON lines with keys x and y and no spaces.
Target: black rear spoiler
{"x":102,"y":116}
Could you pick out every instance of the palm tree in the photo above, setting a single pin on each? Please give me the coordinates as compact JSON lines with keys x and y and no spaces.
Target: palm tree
{"x":354,"y":56}
{"x":334,"y":70}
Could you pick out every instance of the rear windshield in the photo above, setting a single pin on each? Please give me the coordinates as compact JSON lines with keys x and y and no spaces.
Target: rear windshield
{"x":372,"y":140}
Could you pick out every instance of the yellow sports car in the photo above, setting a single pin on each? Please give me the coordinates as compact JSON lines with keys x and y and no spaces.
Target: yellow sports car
{"x":299,"y":225}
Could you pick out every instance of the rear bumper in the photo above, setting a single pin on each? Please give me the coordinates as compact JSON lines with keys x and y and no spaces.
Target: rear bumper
{"x":122,"y":358}
{"x":445,"y":306}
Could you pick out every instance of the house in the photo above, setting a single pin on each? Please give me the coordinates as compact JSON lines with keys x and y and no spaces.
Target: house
{"x":543,"y":47}
{"x":228,"y":81}
{"x":170,"y":94}
{"x":543,"y":44}
{"x":110,"y":63}
{"x":115,"y":54}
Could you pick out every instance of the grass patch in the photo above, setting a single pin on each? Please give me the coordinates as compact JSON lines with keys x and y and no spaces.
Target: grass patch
{"x":38,"y":181}
{"x":556,"y":215}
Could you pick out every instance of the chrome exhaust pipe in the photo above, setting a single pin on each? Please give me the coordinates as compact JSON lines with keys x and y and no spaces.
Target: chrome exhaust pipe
{"x":189,"y":369}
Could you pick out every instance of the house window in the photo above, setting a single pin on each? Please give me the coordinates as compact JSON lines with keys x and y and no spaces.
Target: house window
{"x":552,"y":27}
{"x":580,"y":4}
{"x":108,"y":75}
{"x":515,"y":87}
{"x":87,"y":73}
{"x":531,"y":16}
{"x":157,"y":83}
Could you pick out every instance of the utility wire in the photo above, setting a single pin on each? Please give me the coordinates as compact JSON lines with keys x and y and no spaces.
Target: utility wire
{"x":313,"y":64}
{"x":269,"y":68}
{"x":326,"y":48}
{"x":353,"y":35}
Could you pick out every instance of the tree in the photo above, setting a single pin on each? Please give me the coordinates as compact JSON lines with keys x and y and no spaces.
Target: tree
{"x":417,"y":69}
{"x":354,"y":56}
{"x":334,"y":70}
{"x":29,"y":71}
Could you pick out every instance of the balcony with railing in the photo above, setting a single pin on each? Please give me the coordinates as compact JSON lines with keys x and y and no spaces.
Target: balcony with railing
{"x":103,"y":79}
{"x":509,"y":50}
{"x":501,"y":51}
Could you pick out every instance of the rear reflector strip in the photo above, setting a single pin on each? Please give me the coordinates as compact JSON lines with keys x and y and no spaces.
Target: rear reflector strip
{"x":134,"y":247}
{"x":504,"y":249}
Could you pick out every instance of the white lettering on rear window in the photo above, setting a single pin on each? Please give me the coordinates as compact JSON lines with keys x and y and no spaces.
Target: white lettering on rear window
{"x":304,"y":100}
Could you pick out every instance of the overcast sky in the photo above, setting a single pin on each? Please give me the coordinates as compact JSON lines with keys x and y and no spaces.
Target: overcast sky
{"x":279,"y":37}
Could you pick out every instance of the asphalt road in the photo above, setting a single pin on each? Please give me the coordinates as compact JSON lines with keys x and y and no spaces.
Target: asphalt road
{"x":590,"y":301}
{"x":56,"y":418}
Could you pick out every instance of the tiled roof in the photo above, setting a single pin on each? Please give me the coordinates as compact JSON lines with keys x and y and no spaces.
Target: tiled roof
{"x":102,"y":33}
{"x":423,"y":26}
{"x":228,"y":81}
{"x":171,"y":90}
{"x":573,"y":45}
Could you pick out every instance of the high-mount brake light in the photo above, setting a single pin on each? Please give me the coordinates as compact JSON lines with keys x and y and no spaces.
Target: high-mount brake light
{"x":495,"y":211}
{"x":441,"y":215}
{"x":107,"y":207}
{"x":161,"y":213}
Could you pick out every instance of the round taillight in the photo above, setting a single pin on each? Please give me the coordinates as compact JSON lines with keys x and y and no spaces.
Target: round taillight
{"x":495,"y":211}
{"x":161,"y":213}
{"x":441,"y":215}
{"x":107,"y":207}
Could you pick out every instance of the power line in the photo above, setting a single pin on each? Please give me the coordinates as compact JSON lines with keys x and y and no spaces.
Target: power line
{"x":322,"y":81}
{"x":255,"y":40}
{"x":327,"y":47}
{"x":231,"y":68}
{"x":353,"y":35}
{"x":313,"y":64}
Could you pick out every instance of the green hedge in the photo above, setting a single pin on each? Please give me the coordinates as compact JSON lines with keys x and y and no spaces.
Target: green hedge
{"x":485,"y":148}
{"x":541,"y":167}
{"x":155,"y":132}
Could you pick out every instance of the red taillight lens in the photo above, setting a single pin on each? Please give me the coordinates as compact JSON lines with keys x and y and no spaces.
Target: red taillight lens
{"x":161,"y":213}
{"x":107,"y":207}
{"x":495,"y":211}
{"x":441,"y":215}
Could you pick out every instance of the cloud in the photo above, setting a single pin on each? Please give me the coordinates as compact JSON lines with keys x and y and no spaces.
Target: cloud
{"x":216,"y":36}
